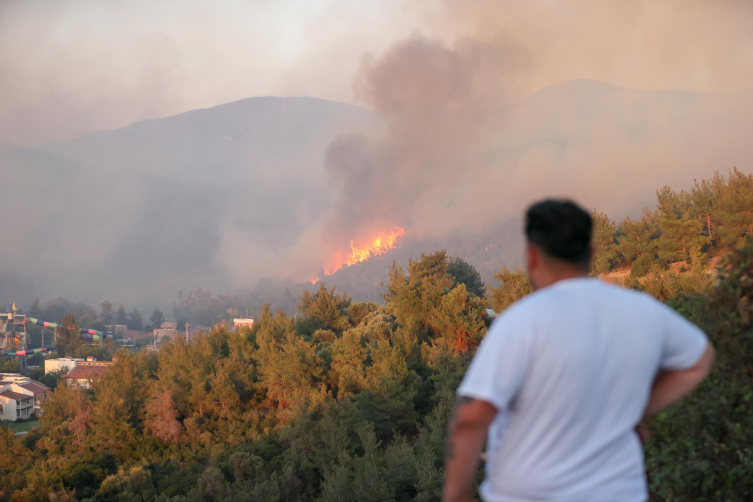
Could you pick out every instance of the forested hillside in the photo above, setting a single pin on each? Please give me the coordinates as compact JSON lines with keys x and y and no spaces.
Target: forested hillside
{"x":712,"y":218}
{"x":349,"y":401}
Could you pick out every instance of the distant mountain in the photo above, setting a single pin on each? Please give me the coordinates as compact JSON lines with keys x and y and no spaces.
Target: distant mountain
{"x":249,"y":140}
{"x":221,"y":197}
{"x":138,"y":212}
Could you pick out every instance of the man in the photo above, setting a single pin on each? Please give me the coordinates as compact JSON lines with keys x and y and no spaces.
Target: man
{"x":563,"y":377}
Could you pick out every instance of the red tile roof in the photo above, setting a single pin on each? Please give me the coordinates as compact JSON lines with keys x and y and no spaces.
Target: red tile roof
{"x":37,"y":388}
{"x":15,"y":395}
{"x":85,"y":372}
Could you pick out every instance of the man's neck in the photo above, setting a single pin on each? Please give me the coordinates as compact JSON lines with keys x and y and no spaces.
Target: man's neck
{"x":556,"y":276}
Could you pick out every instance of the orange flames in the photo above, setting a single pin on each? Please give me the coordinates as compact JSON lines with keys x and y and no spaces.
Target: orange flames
{"x":365,"y":250}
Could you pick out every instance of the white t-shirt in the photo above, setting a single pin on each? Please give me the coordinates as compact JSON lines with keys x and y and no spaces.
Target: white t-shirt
{"x":570,"y":369}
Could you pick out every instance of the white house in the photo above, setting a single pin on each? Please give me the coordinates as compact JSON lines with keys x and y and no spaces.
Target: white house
{"x":168,"y":329}
{"x":20,"y":396}
{"x":61,"y":364}
{"x":16,"y":405}
{"x":86,"y":371}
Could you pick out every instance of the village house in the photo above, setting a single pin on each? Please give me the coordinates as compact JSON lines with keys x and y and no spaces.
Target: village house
{"x":20,"y":396}
{"x":86,"y":371}
{"x":60,"y":364}
{"x":242,"y":323}
{"x":167,"y":330}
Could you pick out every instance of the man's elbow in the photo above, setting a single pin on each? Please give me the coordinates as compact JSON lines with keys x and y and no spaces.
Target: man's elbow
{"x":700,"y":370}
{"x":704,"y":365}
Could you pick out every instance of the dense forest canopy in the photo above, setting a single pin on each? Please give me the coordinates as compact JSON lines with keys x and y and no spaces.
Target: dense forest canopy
{"x":348,"y":401}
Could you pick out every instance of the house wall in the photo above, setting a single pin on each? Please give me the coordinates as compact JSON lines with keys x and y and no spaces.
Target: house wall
{"x":25,"y":410}
{"x":14,"y":410}
{"x":9,"y":408}
{"x":162,"y":333}
{"x":51,"y":365}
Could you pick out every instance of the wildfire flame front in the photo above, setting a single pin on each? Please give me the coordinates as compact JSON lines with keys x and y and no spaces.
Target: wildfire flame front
{"x":382,"y":243}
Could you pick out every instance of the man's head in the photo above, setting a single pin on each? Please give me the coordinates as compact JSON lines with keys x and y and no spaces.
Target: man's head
{"x":559,"y":241}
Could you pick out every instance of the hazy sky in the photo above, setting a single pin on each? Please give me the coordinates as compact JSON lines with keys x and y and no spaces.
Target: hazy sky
{"x":69,"y":67}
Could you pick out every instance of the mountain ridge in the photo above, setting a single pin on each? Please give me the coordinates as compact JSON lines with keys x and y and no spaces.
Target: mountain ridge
{"x":167,"y":204}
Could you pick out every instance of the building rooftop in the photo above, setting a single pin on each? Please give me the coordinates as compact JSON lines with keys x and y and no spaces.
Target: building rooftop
{"x":82,"y":372}
{"x":35,"y":387}
{"x":15,"y":395}
{"x":95,"y":363}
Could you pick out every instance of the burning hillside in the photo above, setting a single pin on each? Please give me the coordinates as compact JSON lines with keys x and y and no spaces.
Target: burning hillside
{"x":383,"y":242}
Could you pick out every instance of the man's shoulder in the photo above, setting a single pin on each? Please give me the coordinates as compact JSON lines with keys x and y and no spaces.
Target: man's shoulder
{"x":559,"y":296}
{"x":521,"y":310}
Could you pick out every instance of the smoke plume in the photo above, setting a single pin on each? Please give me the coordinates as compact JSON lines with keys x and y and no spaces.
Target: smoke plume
{"x":468,"y":143}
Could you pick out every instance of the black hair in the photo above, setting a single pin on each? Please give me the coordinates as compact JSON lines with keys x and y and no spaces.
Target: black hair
{"x":561,"y":229}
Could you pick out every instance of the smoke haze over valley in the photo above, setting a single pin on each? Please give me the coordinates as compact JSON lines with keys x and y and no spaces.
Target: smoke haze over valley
{"x":446,"y":125}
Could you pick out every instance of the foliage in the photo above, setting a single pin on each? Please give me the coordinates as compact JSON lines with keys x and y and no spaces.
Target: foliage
{"x":135,"y":321}
{"x":50,"y":379}
{"x":465,"y":273}
{"x":700,"y":449}
{"x":10,"y":366}
{"x":68,"y":337}
{"x":349,"y":401}
{"x":156,"y":318}
{"x":107,"y":314}
{"x":345,"y":402}
{"x":606,"y":256}
{"x":121,"y":317}
{"x":201,"y":308}
{"x":513,"y":286}
{"x":667,"y":285}
{"x":325,"y":309}
{"x":712,"y":219}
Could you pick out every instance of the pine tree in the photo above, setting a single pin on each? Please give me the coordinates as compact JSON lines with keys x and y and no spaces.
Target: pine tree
{"x":106,"y":315}
{"x":680,"y":233}
{"x":134,"y":321}
{"x":704,"y":196}
{"x":162,"y":416}
{"x":734,"y":210}
{"x":606,"y":256}
{"x":325,"y":308}
{"x":156,"y":318}
{"x":513,"y":286}
{"x":122,"y":317}
{"x":68,"y":337}
{"x":413,"y":298}
{"x":637,"y":238}
{"x":465,"y":273}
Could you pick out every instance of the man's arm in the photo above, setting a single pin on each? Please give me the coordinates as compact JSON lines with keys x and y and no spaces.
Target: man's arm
{"x":466,"y":434}
{"x":671,"y":386}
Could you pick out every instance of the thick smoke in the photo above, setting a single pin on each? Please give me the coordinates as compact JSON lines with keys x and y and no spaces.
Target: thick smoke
{"x":472,"y":118}
{"x":692,"y":45}
{"x":467,"y":147}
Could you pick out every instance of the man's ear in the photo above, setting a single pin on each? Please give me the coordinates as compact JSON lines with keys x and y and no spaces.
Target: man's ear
{"x":533,"y":256}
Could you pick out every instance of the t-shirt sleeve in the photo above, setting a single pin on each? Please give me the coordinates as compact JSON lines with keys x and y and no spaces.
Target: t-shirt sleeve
{"x":496,"y":371}
{"x":684,"y":343}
